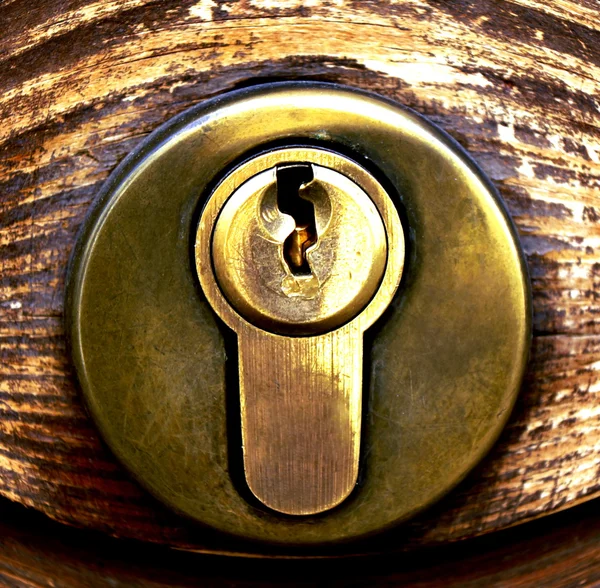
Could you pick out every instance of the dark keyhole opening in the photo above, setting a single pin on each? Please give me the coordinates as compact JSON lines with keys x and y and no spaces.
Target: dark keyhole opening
{"x":290,"y":178}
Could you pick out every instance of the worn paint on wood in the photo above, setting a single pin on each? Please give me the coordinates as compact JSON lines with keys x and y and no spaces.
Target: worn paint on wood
{"x":517,"y":83}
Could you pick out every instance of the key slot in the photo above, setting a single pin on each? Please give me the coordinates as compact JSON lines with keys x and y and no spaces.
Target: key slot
{"x":290,"y":180}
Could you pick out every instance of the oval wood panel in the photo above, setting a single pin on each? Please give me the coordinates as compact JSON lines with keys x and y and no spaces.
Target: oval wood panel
{"x":515,"y":82}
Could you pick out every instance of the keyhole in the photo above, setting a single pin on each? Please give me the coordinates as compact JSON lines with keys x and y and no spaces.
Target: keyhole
{"x":290,"y":179}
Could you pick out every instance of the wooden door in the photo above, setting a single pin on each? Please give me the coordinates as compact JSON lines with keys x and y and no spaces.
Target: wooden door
{"x":516,"y":82}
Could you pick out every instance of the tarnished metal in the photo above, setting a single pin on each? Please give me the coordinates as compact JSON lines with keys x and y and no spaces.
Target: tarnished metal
{"x":300,"y":316}
{"x":159,"y":370}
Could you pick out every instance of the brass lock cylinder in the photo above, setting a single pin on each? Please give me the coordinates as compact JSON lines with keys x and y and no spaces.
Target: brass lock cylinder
{"x":299,"y":251}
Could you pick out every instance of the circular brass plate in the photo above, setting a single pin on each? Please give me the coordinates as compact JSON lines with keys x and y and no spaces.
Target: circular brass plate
{"x":444,"y":365}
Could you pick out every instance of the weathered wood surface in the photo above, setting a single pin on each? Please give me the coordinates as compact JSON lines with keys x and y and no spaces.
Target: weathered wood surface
{"x":516,"y":82}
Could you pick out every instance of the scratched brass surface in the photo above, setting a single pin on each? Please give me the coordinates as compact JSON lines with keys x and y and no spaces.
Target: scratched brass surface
{"x":445,"y":361}
{"x":300,"y":396}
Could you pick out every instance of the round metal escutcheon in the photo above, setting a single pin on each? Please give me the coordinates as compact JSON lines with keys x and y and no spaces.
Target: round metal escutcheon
{"x":443,"y":365}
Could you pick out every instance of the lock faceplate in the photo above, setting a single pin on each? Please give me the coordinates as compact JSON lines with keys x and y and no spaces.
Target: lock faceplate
{"x":158,"y":369}
{"x":300,"y":346}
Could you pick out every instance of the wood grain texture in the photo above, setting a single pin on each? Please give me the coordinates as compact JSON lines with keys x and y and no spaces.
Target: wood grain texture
{"x":560,"y":551}
{"x":515,"y":82}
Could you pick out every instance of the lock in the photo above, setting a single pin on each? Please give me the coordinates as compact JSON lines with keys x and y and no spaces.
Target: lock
{"x":299,"y":313}
{"x":299,"y":251}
